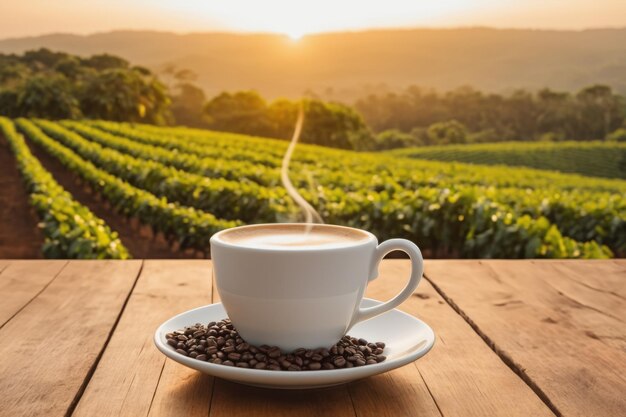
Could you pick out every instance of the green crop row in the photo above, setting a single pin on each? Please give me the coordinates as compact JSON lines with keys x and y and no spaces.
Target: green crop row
{"x":225,"y":199}
{"x":451,"y":209}
{"x":213,"y":166}
{"x":600,"y":159}
{"x":192,"y":228}
{"x":71,"y":230}
{"x":582,"y":215}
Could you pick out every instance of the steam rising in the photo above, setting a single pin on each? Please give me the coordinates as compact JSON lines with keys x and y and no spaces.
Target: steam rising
{"x":310,"y":215}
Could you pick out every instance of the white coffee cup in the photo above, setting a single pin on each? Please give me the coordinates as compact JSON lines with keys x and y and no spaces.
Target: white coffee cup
{"x":294,"y":296}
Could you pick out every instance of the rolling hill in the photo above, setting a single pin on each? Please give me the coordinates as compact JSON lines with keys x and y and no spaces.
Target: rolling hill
{"x":596,"y":159}
{"x":345,"y":65}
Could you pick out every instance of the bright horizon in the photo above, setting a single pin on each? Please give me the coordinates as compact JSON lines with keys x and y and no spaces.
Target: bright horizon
{"x":295,"y":19}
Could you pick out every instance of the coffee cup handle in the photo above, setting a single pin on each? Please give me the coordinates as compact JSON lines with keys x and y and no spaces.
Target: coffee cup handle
{"x":417,"y":269}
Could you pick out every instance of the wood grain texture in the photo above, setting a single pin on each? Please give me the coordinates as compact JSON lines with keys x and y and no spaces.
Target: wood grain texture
{"x":49,"y":347}
{"x":462,"y":374}
{"x":549,"y":320}
{"x":21,"y":281}
{"x":133,"y":378}
{"x":230,"y":399}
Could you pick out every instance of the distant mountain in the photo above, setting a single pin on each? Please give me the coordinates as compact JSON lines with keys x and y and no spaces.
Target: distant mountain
{"x":345,"y":65}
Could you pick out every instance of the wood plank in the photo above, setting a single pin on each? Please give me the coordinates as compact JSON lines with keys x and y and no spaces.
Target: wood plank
{"x":21,"y":281}
{"x":589,"y":287}
{"x":334,"y":401}
{"x":463,"y":375}
{"x":230,"y":399}
{"x":48,"y":349}
{"x":538,"y":315}
{"x":3,"y":264}
{"x":133,"y":378}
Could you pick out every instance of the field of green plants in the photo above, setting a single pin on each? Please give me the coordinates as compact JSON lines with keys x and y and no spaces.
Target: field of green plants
{"x":186,"y":184}
{"x":596,"y":159}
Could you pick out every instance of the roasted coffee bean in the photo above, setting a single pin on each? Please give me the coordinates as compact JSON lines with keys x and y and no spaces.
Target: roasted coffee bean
{"x":219,"y":343}
{"x":339,"y":361}
{"x":274,"y":352}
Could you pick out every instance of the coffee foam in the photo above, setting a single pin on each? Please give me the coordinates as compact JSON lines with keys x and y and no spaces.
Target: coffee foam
{"x":294,"y":236}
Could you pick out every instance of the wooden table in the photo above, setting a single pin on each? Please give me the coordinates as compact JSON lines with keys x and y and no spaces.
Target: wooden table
{"x":527,"y":338}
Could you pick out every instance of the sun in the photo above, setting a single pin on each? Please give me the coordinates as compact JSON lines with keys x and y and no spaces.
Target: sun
{"x":294,"y":34}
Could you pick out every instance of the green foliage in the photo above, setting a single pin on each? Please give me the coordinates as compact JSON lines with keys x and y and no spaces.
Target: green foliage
{"x":588,"y":115}
{"x":600,"y":159}
{"x":446,"y":133}
{"x":393,"y":139}
{"x":617,"y":136}
{"x":122,"y":95}
{"x":190,"y":227}
{"x":327,"y":124}
{"x":226,"y":199}
{"x":187,"y":103}
{"x":57,"y":85}
{"x":71,"y":229}
{"x":48,"y":95}
{"x":463,"y":210}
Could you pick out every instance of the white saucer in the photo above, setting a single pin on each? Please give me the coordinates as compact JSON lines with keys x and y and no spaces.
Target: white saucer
{"x":406,"y":339}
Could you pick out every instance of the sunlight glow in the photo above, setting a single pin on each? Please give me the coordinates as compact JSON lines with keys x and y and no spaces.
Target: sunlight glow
{"x":299,"y":18}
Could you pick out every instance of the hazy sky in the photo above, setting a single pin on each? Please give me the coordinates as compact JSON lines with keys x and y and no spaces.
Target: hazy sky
{"x":298,"y":17}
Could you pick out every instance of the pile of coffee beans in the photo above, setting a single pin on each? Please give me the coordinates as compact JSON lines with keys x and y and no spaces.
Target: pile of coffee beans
{"x":219,"y":343}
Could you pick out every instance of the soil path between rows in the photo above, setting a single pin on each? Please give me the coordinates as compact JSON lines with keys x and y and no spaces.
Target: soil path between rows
{"x":20,"y":237}
{"x":138,"y":241}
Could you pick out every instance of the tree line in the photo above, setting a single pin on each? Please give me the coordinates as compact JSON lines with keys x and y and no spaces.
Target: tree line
{"x":466,"y":115}
{"x":58,"y":85}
